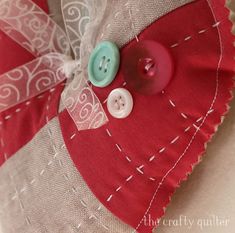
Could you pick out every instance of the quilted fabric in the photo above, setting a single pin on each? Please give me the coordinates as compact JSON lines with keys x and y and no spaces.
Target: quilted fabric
{"x":134,"y":165}
{"x":142,"y":159}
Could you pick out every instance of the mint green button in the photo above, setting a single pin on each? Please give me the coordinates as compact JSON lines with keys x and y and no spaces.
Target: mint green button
{"x":103,"y":64}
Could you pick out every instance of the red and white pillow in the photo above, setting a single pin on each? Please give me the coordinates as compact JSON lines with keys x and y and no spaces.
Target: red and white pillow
{"x":131,"y":166}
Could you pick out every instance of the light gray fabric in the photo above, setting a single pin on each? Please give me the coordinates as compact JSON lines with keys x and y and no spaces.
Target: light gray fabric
{"x":120,"y":21}
{"x":42,"y":191}
{"x":55,"y":12}
{"x":128,"y":18}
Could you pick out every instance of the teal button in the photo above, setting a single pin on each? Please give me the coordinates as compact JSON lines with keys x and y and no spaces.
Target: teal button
{"x":103,"y":64}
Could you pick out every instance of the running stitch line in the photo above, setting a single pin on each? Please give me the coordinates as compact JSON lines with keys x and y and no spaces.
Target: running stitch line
{"x":173,"y":45}
{"x":197,"y":130}
{"x":152,"y":157}
{"x":42,"y":172}
{"x":18,"y":110}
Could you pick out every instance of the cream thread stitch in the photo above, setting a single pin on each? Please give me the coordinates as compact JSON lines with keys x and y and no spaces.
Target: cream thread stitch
{"x":195,"y":134}
{"x":118,"y":147}
{"x":73,"y":136}
{"x":74,"y":189}
{"x":140,"y":171}
{"x":109,"y":198}
{"x":174,"y":106}
{"x":32,"y":181}
{"x":66,"y":176}
{"x":187,"y":129}
{"x":105,"y":227}
{"x":184,"y":116}
{"x":172,"y":103}
{"x":42,"y":172}
{"x":79,"y":225}
{"x":83,"y":203}
{"x":162,"y":150}
{"x":152,"y":158}
{"x":200,"y":32}
{"x":129,"y":178}
{"x":8,"y":117}
{"x":128,"y":159}
{"x":118,"y":189}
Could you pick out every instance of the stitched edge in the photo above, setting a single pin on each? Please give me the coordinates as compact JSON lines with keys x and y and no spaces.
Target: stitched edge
{"x":195,"y":134}
{"x":153,"y":156}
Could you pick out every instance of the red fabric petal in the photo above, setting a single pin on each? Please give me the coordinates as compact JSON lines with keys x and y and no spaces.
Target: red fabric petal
{"x":134,"y":165}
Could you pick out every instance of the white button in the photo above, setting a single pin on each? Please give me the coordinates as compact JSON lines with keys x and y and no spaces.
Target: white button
{"x":120,"y":103}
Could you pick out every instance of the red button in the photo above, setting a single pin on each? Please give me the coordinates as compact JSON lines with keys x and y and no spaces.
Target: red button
{"x":147,"y":67}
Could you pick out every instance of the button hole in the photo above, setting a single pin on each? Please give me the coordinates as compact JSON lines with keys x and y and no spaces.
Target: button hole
{"x":102,"y":63}
{"x":149,"y":66}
